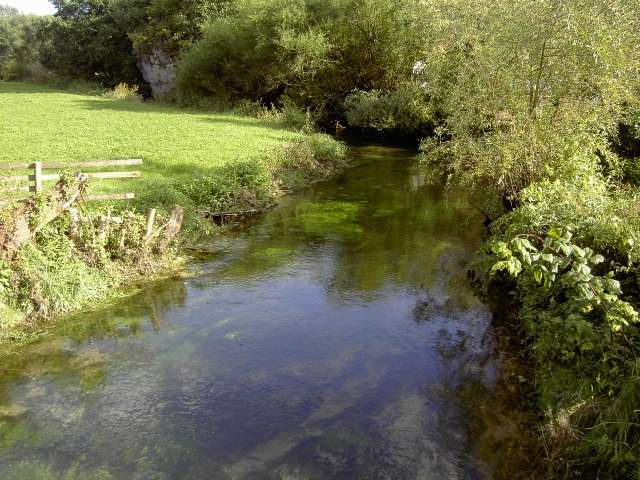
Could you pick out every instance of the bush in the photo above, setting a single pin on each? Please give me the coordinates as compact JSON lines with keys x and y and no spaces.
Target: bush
{"x":518,"y":151}
{"x":21,"y":43}
{"x":312,"y":51}
{"x":605,"y":219}
{"x":52,"y":277}
{"x":289,"y":116}
{"x":125,"y":92}
{"x":300,"y":162}
{"x":584,"y":342}
{"x":238,"y":186}
{"x":253,"y":185}
{"x":406,"y":109}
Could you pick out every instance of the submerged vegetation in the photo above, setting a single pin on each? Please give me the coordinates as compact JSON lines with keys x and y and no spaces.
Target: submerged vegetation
{"x":535,"y":103}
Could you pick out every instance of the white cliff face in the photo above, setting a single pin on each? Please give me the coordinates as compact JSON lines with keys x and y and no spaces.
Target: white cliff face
{"x":159,"y":71}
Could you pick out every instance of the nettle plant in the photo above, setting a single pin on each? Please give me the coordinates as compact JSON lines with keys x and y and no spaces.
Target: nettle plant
{"x":568,"y":309}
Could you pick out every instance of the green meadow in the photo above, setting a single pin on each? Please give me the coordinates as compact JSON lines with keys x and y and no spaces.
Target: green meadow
{"x":178,"y":146}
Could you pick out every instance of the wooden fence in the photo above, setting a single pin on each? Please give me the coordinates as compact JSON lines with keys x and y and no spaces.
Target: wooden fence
{"x":35,"y":181}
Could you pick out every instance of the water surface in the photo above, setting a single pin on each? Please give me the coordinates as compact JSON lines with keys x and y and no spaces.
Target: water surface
{"x":331,"y":339}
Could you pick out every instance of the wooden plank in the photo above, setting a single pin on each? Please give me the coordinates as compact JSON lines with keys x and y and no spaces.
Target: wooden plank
{"x":151,"y":218}
{"x":103,"y":175}
{"x":94,"y":164}
{"x":15,"y":166}
{"x":91,"y":164}
{"x":135,"y":174}
{"x":45,"y":178}
{"x":114,"y":196}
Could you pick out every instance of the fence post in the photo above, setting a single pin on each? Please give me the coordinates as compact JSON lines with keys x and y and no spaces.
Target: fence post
{"x":151,"y":218}
{"x":37,"y":177}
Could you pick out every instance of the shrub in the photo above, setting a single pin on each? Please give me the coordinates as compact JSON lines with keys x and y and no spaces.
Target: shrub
{"x":243,"y":185}
{"x":289,"y":116}
{"x":313,"y":51}
{"x":603,"y":218}
{"x":312,"y":157}
{"x":52,"y":277}
{"x":583,"y":338}
{"x":406,"y":109}
{"x":249,"y":185}
{"x":518,"y":151}
{"x":125,"y":92}
{"x":21,"y":41}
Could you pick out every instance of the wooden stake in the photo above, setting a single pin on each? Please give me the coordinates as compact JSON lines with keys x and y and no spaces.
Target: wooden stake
{"x":75,"y":222}
{"x":172,"y":227}
{"x":37,"y":177}
{"x":151,"y":218}
{"x":102,"y":228}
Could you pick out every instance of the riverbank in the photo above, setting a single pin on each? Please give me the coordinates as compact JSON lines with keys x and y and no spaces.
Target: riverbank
{"x":204,"y":162}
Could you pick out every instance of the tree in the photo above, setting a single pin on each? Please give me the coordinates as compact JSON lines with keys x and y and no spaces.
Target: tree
{"x":21,"y":41}
{"x":89,"y":39}
{"x":529,"y":89}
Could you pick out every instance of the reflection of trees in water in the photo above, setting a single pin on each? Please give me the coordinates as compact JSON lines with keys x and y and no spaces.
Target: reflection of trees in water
{"x":384,"y":227}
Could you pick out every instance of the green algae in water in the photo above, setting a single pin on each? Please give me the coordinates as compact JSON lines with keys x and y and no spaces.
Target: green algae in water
{"x":329,"y":218}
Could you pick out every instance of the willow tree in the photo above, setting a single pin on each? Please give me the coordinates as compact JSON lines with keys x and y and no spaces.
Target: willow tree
{"x":529,"y":88}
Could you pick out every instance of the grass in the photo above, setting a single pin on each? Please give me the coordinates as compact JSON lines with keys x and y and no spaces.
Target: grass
{"x":39,"y":123}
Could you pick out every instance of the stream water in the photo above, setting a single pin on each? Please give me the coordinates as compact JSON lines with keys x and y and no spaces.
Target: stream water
{"x":334,"y":338}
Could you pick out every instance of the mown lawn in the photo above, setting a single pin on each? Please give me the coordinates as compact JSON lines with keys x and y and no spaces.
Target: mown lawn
{"x":41,"y":123}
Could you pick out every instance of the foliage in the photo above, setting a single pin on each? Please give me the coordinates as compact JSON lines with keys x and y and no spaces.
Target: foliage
{"x":602,"y":217}
{"x":242,"y":186}
{"x":405,"y":109}
{"x":315,"y":52}
{"x":236,"y":186}
{"x":300,"y":162}
{"x":520,"y":103}
{"x":52,"y":278}
{"x":583,"y":338}
{"x":289,"y":115}
{"x":20,"y":43}
{"x":122,"y":91}
{"x":174,"y":25}
{"x":88,"y":39}
{"x":561,"y":293}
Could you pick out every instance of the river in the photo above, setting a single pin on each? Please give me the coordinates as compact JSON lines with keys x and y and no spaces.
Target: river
{"x":336,"y":337}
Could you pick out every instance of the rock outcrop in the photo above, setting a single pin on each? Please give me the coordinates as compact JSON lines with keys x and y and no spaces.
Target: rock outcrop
{"x":159,"y":70}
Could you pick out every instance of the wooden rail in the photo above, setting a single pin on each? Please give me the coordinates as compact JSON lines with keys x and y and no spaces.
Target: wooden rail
{"x":37,"y":178}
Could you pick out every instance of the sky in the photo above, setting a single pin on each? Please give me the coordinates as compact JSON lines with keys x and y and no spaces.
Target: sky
{"x":37,"y":7}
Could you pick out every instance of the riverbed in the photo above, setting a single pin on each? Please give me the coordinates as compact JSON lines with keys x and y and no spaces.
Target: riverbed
{"x":335,"y":337}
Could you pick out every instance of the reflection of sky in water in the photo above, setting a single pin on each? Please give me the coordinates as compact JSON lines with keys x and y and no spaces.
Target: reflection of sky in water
{"x":327,"y":341}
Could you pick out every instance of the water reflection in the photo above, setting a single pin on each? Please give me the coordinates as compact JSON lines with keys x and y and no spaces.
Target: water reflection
{"x":330,"y":340}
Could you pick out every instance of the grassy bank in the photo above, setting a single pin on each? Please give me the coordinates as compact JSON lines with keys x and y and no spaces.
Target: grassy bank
{"x":205,"y":162}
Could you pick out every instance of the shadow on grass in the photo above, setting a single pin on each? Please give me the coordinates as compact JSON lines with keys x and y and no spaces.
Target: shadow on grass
{"x":30,"y":88}
{"x":163,"y":108}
